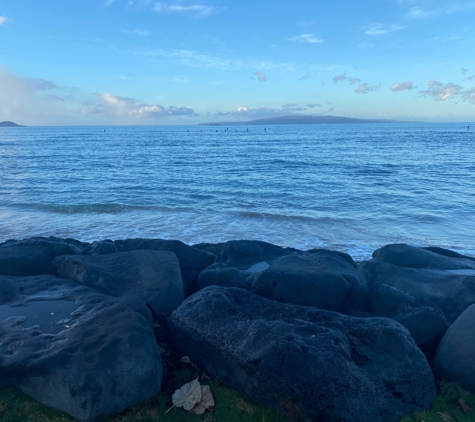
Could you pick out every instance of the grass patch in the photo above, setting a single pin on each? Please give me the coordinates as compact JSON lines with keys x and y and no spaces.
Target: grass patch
{"x":230,"y":407}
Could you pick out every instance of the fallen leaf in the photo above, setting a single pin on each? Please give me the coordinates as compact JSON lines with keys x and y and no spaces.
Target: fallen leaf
{"x":187,"y":395}
{"x":446,"y":417}
{"x":465,"y":407}
{"x":207,"y":401}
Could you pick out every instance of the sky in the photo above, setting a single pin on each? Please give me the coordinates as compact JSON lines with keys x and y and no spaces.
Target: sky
{"x":147,"y":62}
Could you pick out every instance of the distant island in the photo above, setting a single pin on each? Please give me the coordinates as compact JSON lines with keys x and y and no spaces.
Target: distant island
{"x":9,"y":124}
{"x":301,"y":120}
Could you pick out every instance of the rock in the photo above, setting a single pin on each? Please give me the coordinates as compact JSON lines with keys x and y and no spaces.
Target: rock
{"x":192,"y":261}
{"x":427,"y":326}
{"x":454,"y":360}
{"x":152,"y":276}
{"x":319,"y":277}
{"x":76,"y":350}
{"x":306,"y":363}
{"x":33,"y":256}
{"x":214,"y":248}
{"x":404,"y":274}
{"x":404,"y":255}
{"x":237,"y":260}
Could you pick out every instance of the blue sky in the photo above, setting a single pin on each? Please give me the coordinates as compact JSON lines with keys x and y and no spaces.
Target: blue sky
{"x":97,"y":62}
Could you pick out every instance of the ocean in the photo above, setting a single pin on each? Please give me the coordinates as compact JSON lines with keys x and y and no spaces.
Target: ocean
{"x":352,"y":188}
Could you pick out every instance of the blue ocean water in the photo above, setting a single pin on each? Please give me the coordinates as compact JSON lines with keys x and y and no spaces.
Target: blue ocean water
{"x":352,"y":188}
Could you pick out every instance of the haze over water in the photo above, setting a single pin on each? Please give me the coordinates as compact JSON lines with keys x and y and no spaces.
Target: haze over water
{"x":352,"y":188}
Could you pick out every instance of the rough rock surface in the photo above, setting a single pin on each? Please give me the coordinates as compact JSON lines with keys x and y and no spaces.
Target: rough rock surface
{"x":76,"y":350}
{"x":192,"y":261}
{"x":237,"y":260}
{"x":306,"y":363}
{"x":152,"y":276}
{"x":420,"y":277}
{"x":454,"y":360}
{"x":33,"y":256}
{"x":319,"y":277}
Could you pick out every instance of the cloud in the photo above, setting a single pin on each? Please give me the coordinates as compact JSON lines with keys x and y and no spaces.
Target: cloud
{"x":139,"y":32}
{"x":306,"y":76}
{"x":312,"y":105}
{"x":113,"y":105}
{"x":471,"y":78}
{"x":331,"y":109}
{"x":378,"y":29}
{"x":3,"y":20}
{"x":128,"y":76}
{"x":404,"y":86}
{"x":469,"y":96}
{"x":109,"y":2}
{"x":365,"y":89}
{"x":354,"y":81}
{"x":463,"y":70}
{"x":339,"y":78}
{"x":441,"y":92}
{"x":310,"y":38}
{"x":261,"y":77}
{"x":182,"y":79}
{"x":198,"y":59}
{"x":449,"y":8}
{"x":292,"y":108}
{"x":199,"y":10}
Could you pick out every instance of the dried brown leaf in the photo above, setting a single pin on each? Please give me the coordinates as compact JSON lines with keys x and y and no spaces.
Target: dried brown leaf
{"x":207,"y":401}
{"x":446,"y":417}
{"x":187,"y":395}
{"x":465,"y":407}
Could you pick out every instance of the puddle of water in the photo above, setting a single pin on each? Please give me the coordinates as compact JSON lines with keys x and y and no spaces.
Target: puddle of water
{"x":466,"y":271}
{"x":48,"y":314}
{"x":258,"y":268}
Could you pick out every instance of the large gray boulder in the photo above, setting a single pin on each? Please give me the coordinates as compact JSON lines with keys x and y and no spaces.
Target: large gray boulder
{"x":319,"y":277}
{"x":237,"y":261}
{"x":76,"y":350}
{"x":152,"y":276}
{"x":306,"y":363}
{"x":33,"y":256}
{"x":419,"y":277}
{"x":454,"y":360}
{"x":192,"y":261}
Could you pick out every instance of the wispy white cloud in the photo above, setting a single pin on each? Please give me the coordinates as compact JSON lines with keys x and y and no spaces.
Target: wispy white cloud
{"x":139,"y":32}
{"x":404,"y":86}
{"x":379,"y":29}
{"x":182,"y":79}
{"x":292,"y":108}
{"x":4,"y":20}
{"x":306,"y":76}
{"x":311,"y":105}
{"x":113,"y":105}
{"x":198,"y":59}
{"x":261,"y":77}
{"x":109,"y":2}
{"x":198,"y":10}
{"x":440,"y":92}
{"x":339,"y":78}
{"x":354,"y":81}
{"x":310,"y":38}
{"x":463,"y":70}
{"x":447,"y":8}
{"x":469,"y":96}
{"x":365,"y":88}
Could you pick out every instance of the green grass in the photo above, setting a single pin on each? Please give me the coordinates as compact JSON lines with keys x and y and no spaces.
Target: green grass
{"x":230,"y":407}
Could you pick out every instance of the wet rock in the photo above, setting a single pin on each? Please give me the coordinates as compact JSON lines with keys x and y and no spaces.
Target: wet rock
{"x":454,"y":360}
{"x":76,"y":350}
{"x":152,"y":276}
{"x":192,"y":261}
{"x":306,"y":363}
{"x":319,"y":277}
{"x":33,"y":256}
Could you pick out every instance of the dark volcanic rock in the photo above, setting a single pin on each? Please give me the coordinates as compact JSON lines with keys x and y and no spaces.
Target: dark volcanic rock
{"x":76,"y":350}
{"x":192,"y":261}
{"x":454,"y":360}
{"x":319,"y":277}
{"x":33,"y":256}
{"x":306,"y":363}
{"x":419,"y":277}
{"x":152,"y":276}
{"x":237,"y":260}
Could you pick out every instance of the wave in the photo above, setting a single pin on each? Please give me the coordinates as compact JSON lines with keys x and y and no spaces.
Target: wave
{"x":286,"y":217}
{"x":111,"y":208}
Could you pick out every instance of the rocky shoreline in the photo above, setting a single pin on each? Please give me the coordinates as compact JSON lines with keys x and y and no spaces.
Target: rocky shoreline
{"x":310,"y":334}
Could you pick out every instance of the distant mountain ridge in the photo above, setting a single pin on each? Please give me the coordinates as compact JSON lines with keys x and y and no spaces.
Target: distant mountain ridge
{"x":9,"y":124}
{"x":301,"y":120}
